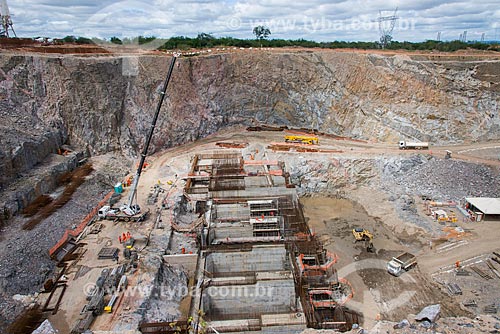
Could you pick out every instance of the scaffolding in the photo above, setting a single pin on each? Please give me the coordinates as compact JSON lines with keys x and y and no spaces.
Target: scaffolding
{"x":252,"y":203}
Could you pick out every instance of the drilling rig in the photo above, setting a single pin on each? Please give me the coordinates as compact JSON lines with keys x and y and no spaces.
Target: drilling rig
{"x":5,"y":20}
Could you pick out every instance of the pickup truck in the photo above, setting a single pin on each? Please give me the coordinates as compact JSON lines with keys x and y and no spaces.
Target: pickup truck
{"x":107,"y":212}
{"x":403,"y":262}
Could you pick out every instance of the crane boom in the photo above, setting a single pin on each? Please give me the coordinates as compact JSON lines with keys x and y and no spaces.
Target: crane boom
{"x":133,"y":190}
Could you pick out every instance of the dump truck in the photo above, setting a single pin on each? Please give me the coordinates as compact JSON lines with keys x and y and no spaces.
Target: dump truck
{"x":109,"y":213}
{"x":310,"y":140}
{"x":403,"y":262}
{"x":407,"y":145}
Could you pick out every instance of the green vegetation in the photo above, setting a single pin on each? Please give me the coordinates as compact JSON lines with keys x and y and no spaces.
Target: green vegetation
{"x":77,"y":40}
{"x":116,"y":40}
{"x":261,"y":32}
{"x":208,"y":41}
{"x":204,"y":40}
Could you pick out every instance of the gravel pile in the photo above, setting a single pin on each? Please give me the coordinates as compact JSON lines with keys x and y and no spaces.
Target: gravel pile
{"x":404,"y":178}
{"x":442,"y":179}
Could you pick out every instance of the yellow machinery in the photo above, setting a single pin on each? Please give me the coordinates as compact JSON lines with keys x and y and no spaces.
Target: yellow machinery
{"x":447,"y":218}
{"x":360,"y":234}
{"x":310,"y":140}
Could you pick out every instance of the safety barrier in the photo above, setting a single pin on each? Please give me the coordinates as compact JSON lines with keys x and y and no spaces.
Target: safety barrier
{"x":75,"y":232}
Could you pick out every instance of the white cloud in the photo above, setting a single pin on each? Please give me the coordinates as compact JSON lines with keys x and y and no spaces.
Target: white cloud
{"x":319,"y":20}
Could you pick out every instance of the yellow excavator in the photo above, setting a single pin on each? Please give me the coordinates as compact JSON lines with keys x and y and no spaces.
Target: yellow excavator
{"x":361,"y":234}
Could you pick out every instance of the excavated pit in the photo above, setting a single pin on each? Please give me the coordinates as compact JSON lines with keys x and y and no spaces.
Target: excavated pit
{"x":96,"y":104}
{"x":93,"y":107}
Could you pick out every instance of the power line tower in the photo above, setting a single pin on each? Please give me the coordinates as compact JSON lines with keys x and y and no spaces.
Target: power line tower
{"x":5,"y":20}
{"x":463,"y":37}
{"x":438,"y":38}
{"x":482,"y":37}
{"x":386,"y":26}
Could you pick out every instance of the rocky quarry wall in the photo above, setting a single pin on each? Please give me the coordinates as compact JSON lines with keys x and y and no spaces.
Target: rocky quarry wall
{"x":105,"y":104}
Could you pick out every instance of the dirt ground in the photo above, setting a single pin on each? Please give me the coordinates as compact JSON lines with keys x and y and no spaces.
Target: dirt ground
{"x":29,"y":46}
{"x":379,"y":294}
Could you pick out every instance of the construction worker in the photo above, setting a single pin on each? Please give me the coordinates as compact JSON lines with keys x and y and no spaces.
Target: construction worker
{"x":120,"y":239}
{"x":124,"y":237}
{"x":128,"y":235}
{"x":115,"y":257}
{"x":457,"y":264}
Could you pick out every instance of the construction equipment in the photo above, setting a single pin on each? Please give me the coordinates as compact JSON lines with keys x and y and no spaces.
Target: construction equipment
{"x":444,"y":217}
{"x":107,"y":212}
{"x":406,"y":145}
{"x":403,"y":262}
{"x":130,"y":208}
{"x":109,"y":307}
{"x":310,"y":140}
{"x":360,"y":234}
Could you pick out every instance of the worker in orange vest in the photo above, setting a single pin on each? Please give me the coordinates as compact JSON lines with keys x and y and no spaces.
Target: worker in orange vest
{"x":128,"y":235}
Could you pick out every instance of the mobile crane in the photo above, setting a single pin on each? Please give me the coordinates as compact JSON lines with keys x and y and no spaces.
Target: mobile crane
{"x":130,"y":208}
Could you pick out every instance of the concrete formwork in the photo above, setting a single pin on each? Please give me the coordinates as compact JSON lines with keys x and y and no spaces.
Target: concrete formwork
{"x":260,"y":258}
{"x":250,"y":281}
{"x":249,"y":300}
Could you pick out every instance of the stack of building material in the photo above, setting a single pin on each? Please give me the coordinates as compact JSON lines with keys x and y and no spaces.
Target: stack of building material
{"x":454,"y":289}
{"x":108,"y":253}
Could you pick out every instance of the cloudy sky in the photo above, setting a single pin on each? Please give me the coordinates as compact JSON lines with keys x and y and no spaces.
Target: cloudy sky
{"x":319,"y":20}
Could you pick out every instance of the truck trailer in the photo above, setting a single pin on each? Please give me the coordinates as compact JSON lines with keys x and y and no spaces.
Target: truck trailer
{"x":407,"y":145}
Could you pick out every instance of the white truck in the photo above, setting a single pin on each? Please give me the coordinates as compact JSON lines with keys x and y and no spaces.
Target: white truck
{"x":403,"y":262}
{"x":107,"y":212}
{"x":407,"y":145}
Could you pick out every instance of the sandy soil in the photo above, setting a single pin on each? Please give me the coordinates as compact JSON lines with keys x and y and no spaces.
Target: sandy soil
{"x":378,"y":294}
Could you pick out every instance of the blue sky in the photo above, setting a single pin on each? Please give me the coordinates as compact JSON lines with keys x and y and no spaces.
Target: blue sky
{"x":318,"y":20}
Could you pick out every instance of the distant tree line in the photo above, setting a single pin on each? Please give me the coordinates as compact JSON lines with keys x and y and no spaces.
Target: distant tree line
{"x":204,"y":40}
{"x":208,"y":41}
{"x":115,"y":40}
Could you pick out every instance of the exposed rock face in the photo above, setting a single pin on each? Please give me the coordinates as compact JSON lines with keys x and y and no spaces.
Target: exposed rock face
{"x":331,"y":176}
{"x":103,"y":104}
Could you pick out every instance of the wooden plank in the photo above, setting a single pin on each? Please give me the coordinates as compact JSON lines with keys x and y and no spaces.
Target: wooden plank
{"x":492,"y":268}
{"x":481,"y":273}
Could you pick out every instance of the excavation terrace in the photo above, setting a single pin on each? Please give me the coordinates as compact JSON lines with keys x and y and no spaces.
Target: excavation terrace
{"x":284,"y":191}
